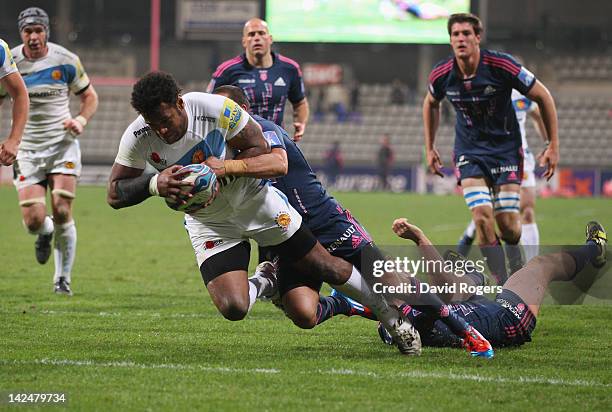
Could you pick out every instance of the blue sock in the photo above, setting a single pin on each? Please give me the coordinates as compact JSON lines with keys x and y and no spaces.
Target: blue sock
{"x":583,"y":255}
{"x":496,"y":260}
{"x":331,"y":306}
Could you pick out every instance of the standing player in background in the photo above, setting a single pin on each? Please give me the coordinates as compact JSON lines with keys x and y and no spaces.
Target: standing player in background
{"x":530,"y":235}
{"x":267,"y":78}
{"x":12,"y":84}
{"x":487,"y":151}
{"x":49,"y":154}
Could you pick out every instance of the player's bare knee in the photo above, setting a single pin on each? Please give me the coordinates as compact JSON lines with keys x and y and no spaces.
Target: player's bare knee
{"x":303,"y":318}
{"x":527,"y":215}
{"x":33,"y":222}
{"x":233,"y":310}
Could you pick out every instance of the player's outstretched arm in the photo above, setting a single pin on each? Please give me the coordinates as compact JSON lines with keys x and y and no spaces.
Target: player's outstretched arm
{"x":255,"y":158}
{"x":128,"y":186}
{"x":404,"y":229}
{"x":550,"y":157}
{"x":431,"y":121}
{"x":14,"y":85}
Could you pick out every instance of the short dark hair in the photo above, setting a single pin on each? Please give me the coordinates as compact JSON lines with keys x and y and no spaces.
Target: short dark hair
{"x":465,"y":18}
{"x":152,"y":90}
{"x":235,"y":93}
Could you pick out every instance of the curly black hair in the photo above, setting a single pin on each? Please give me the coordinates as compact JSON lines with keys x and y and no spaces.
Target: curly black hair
{"x":152,"y":90}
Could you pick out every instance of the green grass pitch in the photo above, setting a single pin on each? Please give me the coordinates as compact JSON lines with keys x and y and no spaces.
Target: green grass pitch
{"x":141,"y":333}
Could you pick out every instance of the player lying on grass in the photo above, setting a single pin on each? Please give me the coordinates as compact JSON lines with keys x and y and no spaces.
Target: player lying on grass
{"x":174,"y":130}
{"x":510,"y":319}
{"x":342,"y":236}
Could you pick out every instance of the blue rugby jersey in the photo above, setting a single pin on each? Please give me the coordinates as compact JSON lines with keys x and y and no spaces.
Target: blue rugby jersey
{"x":267,"y":89}
{"x":305,"y":192}
{"x":486,"y":121}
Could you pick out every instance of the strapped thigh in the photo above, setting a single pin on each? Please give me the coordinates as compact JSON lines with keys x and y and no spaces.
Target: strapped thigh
{"x":477,"y":196}
{"x":507,"y":202}
{"x":63,"y":193}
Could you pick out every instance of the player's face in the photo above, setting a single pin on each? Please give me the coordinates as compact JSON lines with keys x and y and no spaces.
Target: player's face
{"x":463,"y":40}
{"x":34,"y":38}
{"x":256,"y":40}
{"x":171,"y":122}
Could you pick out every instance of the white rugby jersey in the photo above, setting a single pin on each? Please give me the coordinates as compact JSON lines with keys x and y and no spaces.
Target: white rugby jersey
{"x":49,"y":81}
{"x":522,"y":106}
{"x":212,"y":121}
{"x":7,"y":64}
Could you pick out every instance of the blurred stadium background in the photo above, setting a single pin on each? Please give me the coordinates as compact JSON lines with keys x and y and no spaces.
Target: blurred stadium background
{"x":369,"y":88}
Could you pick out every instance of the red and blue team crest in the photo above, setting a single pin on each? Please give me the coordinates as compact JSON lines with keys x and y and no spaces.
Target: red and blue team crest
{"x":263,"y":75}
{"x":512,"y":176}
{"x":467,"y":85}
{"x":520,"y":307}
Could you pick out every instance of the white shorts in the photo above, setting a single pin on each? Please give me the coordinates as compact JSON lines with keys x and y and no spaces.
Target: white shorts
{"x":528,"y":170}
{"x":267,"y":218}
{"x":33,"y":166}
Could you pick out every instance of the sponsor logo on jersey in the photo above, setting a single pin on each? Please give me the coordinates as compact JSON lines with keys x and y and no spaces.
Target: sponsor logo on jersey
{"x":489,"y":90}
{"x":512,"y":176}
{"x":272,"y":138}
{"x":280,"y":82}
{"x":46,"y":93}
{"x":156,"y":158}
{"x":69,"y":165}
{"x":283,"y":220}
{"x":504,"y":169}
{"x":142,"y":131}
{"x":263,"y":75}
{"x":198,"y":156}
{"x":452,"y":93}
{"x":356,"y":241}
{"x":247,"y":81}
{"x":21,"y":178}
{"x":348,"y":233}
{"x":513,"y":309}
{"x":525,"y":76}
{"x":444,"y":311}
{"x":462,"y":161}
{"x":202,"y":118}
{"x":230,"y":115}
{"x":211,"y":244}
{"x":56,"y":74}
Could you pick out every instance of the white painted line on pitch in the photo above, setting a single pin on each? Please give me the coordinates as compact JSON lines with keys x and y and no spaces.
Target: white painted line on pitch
{"x":339,"y":372}
{"x":134,"y":365}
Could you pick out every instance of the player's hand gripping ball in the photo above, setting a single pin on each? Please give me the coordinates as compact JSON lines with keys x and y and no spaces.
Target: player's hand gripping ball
{"x":204,"y":188}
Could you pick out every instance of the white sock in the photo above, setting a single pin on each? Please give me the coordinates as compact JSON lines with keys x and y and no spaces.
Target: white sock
{"x":358,"y":289}
{"x":530,"y":239}
{"x":252,"y":294}
{"x":64,"y":250}
{"x":258,"y":286}
{"x":470,"y":231}
{"x":44,"y":229}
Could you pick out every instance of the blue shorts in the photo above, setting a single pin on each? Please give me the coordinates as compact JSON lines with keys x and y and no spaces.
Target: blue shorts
{"x":342,"y":236}
{"x":496,"y":169}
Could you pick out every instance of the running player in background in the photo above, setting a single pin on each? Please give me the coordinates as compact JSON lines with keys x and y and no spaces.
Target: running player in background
{"x":11,"y":84}
{"x":341,"y":234}
{"x":267,"y":78}
{"x":530,"y":235}
{"x":487,"y":150}
{"x":49,"y":154}
{"x":510,"y":319}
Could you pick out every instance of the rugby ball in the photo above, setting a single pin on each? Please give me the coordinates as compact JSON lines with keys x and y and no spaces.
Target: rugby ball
{"x":204,"y":188}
